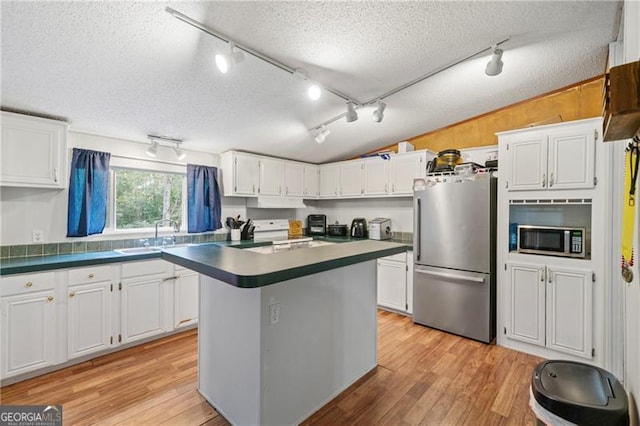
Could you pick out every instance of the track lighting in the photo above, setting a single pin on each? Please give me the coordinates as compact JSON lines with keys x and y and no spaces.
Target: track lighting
{"x":322,"y":134}
{"x":226,"y":61}
{"x":351,"y":114}
{"x":378,"y":114}
{"x":314,"y":92}
{"x":494,"y":66}
{"x":152,"y":151}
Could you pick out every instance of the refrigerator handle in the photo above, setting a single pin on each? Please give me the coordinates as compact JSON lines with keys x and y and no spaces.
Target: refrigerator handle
{"x":478,"y":280}
{"x":417,"y":229}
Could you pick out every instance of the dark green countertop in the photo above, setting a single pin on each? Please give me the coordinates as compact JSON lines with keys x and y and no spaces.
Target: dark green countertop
{"x":247,"y":269}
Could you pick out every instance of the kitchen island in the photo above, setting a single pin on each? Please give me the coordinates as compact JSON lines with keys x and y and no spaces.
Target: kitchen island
{"x":282,"y":334}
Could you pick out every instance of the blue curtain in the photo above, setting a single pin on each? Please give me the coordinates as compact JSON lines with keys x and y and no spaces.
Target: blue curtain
{"x":203,"y":199}
{"x":88,"y":192}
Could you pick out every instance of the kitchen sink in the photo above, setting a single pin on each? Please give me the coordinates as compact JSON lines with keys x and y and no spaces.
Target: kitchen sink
{"x":142,"y":250}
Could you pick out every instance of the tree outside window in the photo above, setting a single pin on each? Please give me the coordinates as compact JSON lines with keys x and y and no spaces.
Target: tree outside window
{"x":142,"y":198}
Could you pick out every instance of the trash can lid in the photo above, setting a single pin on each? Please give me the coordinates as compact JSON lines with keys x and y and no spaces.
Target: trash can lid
{"x":581,"y":393}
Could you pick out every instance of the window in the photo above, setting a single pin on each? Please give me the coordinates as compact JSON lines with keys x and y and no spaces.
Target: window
{"x":141,"y":198}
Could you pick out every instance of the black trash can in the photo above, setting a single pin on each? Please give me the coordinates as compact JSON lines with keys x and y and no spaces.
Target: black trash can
{"x":580,"y":393}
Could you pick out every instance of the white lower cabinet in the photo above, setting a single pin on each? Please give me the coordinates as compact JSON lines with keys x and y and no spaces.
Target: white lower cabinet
{"x":142,"y":308}
{"x":28,"y":323}
{"x":89,"y":318}
{"x":551,"y":306}
{"x":185,"y":298}
{"x":395,"y":282}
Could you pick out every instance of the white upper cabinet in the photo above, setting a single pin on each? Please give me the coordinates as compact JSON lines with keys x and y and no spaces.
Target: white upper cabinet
{"x":294,"y":179}
{"x":271,"y":176}
{"x":376,"y":176}
{"x":329,"y":180}
{"x":240,"y":174}
{"x":33,"y":152}
{"x":311,"y":181}
{"x":351,"y":178}
{"x":555,"y":157}
{"x":403,"y":169}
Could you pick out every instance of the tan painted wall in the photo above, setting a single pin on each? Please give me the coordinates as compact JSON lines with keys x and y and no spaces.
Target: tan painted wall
{"x":581,"y":100}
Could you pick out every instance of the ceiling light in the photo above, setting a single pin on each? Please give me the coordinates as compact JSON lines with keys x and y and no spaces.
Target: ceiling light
{"x":152,"y":151}
{"x":351,"y":114}
{"x":314,"y":92}
{"x":322,"y":134}
{"x":226,"y":61}
{"x":378,"y":114}
{"x":180,"y":154}
{"x":494,"y":66}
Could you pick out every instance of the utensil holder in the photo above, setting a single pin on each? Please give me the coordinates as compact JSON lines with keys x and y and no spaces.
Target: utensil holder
{"x":235,"y":235}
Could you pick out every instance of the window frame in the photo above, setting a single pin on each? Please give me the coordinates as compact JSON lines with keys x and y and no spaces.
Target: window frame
{"x":110,"y":226}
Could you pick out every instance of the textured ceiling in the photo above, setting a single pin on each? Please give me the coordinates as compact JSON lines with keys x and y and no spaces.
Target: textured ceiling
{"x":128,"y":69}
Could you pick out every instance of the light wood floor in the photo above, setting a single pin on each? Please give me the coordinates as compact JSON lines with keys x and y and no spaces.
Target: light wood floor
{"x":424,"y":376}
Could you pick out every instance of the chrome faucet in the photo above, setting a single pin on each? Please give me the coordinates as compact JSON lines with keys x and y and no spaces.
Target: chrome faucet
{"x":176,"y":228}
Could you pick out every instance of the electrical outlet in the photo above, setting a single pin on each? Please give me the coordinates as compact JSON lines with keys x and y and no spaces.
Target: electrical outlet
{"x":274,"y":313}
{"x":37,"y":236}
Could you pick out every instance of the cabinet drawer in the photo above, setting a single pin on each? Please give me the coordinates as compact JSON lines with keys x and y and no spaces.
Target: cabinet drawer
{"x":400,"y":257}
{"x":89,"y":275}
{"x":27,"y":283}
{"x":148,"y":267}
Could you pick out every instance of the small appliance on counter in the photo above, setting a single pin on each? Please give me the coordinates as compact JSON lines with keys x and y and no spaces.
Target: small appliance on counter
{"x":337,"y":230}
{"x":358,"y":228}
{"x":380,"y":229}
{"x":316,"y":224}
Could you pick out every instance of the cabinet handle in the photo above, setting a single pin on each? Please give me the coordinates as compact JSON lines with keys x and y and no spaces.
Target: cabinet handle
{"x":91,"y":275}
{"x":550,"y":180}
{"x":184,"y":320}
{"x":50,"y":298}
{"x":29,"y":284}
{"x":253,"y":188}
{"x":550,"y":276}
{"x":542,"y":275}
{"x":55,"y":174}
{"x":393,"y":186}
{"x":73,"y":293}
{"x":170,"y":278}
{"x":544,"y":180}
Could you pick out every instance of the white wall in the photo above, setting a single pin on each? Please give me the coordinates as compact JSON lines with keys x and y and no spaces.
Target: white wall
{"x":25,"y":209}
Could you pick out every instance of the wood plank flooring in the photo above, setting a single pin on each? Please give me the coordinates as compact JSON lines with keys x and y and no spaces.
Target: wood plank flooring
{"x":424,"y":376}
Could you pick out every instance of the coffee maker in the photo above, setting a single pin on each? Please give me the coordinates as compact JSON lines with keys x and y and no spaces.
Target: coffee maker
{"x":358,"y":228}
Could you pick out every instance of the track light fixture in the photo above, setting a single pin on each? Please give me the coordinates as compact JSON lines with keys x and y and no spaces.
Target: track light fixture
{"x":322,"y":134}
{"x":152,"y":151}
{"x":226,"y":61}
{"x":351,"y":114}
{"x":378,"y":114}
{"x":314,"y":92}
{"x":494,"y":66}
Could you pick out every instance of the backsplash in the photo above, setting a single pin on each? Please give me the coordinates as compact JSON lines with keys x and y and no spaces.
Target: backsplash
{"x":52,"y":249}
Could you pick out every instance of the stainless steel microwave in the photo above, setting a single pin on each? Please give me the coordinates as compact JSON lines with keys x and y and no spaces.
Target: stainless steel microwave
{"x":552,"y":240}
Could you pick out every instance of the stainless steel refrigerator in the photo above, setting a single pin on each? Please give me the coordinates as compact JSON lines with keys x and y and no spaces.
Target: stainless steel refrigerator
{"x":454,"y":243}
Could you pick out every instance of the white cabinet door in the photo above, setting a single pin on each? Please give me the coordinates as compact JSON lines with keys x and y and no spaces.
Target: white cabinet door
{"x":410,"y":282}
{"x":294,"y":183}
{"x":246,"y":173}
{"x":329,"y":180}
{"x":351,"y":179}
{"x":376,"y":176}
{"x":311,"y":181}
{"x":142,"y":308}
{"x":89,"y":318}
{"x":403,"y":169}
{"x":569,"y":311}
{"x":271,"y":176}
{"x":33,"y":152}
{"x":28,"y":332}
{"x":526,"y":300}
{"x":528,"y":162}
{"x":571,"y":159}
{"x":392,"y":284}
{"x":186,"y":299}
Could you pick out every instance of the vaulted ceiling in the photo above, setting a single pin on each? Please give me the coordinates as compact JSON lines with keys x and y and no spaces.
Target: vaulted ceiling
{"x":128,"y":69}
